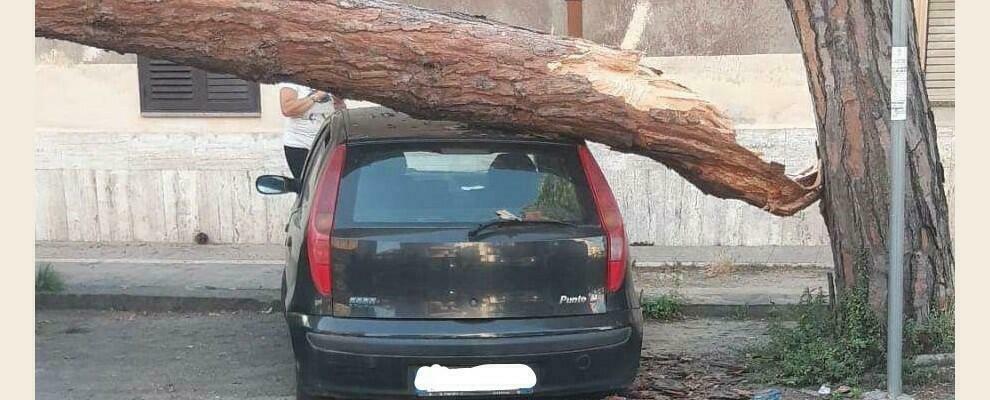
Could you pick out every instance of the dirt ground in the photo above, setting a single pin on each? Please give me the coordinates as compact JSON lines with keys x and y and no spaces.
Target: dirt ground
{"x":126,"y":356}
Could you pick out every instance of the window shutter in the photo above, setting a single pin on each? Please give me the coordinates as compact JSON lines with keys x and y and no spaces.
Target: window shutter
{"x":940,"y":51}
{"x":167,"y":87}
{"x":227,"y":93}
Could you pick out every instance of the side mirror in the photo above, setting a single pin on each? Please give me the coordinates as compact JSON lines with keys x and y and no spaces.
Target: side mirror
{"x":274,"y":184}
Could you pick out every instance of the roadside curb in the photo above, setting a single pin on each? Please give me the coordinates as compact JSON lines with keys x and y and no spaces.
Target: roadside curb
{"x":694,"y":265}
{"x":204,"y":304}
{"x":738,"y":311}
{"x":145,"y":303}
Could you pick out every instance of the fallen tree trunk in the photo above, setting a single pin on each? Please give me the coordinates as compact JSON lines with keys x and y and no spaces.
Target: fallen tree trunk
{"x":444,"y":66}
{"x":846,"y":51}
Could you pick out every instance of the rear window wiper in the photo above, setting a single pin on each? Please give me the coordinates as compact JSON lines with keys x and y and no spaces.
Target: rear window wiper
{"x":500,"y":222}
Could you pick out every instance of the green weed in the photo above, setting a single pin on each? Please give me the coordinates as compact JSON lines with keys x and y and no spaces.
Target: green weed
{"x":822,"y":346}
{"x":47,"y":279}
{"x":846,"y":346}
{"x":664,"y":307}
{"x":936,"y":335}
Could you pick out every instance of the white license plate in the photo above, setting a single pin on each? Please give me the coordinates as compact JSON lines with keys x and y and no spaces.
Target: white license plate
{"x":437,"y":380}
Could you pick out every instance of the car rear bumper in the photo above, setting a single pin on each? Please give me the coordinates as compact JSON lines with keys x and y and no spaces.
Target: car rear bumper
{"x":346,"y":357}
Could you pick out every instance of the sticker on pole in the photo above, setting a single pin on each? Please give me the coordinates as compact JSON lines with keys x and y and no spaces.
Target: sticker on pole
{"x":898,"y":83}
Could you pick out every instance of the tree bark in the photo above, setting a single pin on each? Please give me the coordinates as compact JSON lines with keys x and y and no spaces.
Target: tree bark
{"x":846,"y":47}
{"x":444,"y":66}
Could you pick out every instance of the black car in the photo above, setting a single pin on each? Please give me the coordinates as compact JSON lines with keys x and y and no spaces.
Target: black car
{"x":433,"y":259}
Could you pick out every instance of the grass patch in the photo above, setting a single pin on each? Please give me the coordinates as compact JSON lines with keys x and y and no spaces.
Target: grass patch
{"x":846,"y":346}
{"x":47,"y":279}
{"x":822,"y":346}
{"x":936,"y":335}
{"x":664,"y":307}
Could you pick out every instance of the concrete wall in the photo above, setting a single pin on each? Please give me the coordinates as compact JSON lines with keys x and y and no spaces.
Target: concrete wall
{"x":105,"y":173}
{"x":695,"y":27}
{"x":157,"y":187}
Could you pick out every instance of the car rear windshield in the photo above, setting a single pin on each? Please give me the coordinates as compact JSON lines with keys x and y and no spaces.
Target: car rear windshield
{"x":439,"y":184}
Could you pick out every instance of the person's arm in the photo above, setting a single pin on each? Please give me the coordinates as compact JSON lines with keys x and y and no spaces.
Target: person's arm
{"x":292,"y":106}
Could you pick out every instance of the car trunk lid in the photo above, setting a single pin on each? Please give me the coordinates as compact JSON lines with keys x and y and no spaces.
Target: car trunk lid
{"x":405,"y":242}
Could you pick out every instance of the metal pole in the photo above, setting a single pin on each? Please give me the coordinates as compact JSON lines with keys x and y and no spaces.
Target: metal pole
{"x":895,"y":275}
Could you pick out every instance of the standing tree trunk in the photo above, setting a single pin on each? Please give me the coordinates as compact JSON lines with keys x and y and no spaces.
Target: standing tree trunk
{"x":444,"y":66}
{"x":846,"y":46}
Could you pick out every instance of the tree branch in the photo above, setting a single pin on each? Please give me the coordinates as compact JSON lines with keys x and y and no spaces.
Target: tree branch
{"x":443,"y":66}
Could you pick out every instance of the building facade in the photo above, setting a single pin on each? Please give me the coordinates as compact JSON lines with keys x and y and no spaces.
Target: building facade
{"x":113,"y":167}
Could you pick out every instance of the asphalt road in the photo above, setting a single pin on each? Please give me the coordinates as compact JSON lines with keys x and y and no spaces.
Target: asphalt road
{"x":126,"y":356}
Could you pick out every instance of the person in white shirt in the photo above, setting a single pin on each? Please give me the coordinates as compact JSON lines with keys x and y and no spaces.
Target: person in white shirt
{"x":305,"y":110}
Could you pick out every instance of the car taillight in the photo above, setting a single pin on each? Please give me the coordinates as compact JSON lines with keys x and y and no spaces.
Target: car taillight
{"x":321,"y":222}
{"x":616,"y":249}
